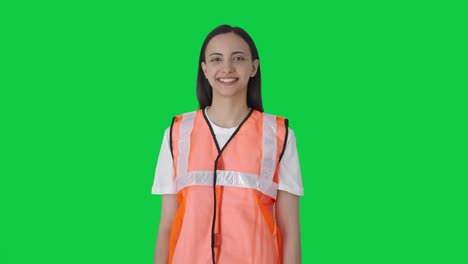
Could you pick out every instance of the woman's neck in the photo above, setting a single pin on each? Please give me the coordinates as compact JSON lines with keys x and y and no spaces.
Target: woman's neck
{"x":226,"y":113}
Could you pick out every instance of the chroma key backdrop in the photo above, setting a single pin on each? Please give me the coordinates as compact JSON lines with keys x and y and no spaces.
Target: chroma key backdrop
{"x":374,"y":91}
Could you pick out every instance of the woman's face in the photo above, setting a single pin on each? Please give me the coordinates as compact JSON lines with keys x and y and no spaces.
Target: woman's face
{"x":228,"y":65}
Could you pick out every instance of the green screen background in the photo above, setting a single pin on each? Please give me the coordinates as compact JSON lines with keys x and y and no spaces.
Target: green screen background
{"x":375,"y":92}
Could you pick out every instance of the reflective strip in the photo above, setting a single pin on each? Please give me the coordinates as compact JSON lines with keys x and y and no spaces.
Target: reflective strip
{"x":186,"y":126}
{"x":269,"y":148}
{"x":228,"y":178}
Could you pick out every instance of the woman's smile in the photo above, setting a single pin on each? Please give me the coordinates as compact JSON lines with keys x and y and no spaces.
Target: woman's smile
{"x":228,"y":81}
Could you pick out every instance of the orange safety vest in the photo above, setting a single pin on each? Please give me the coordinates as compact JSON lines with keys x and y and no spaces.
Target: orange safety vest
{"x":232,"y":221}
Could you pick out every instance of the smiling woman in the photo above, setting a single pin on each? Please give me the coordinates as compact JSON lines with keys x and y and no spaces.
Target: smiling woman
{"x":228,"y":172}
{"x":228,"y":67}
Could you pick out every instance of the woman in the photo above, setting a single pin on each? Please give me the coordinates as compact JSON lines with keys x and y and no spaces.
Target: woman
{"x":228,"y":172}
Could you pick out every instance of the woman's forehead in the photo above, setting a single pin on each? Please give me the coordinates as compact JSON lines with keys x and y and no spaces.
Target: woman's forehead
{"x":227,"y":43}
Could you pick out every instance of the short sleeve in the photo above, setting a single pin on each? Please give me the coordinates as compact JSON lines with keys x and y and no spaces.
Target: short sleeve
{"x":164,"y":178}
{"x":290,"y":178}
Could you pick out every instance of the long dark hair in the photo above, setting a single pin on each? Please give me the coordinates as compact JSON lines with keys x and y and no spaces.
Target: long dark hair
{"x":204,"y":90}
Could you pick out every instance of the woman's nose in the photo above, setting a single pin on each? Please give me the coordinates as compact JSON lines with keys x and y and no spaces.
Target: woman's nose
{"x":228,"y":66}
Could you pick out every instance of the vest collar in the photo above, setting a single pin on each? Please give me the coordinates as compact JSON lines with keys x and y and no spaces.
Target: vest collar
{"x":233,"y":134}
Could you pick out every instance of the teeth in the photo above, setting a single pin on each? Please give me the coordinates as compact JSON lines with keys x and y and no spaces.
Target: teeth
{"x":228,"y":80}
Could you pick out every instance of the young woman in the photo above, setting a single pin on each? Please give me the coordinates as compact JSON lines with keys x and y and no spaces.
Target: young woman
{"x":228,"y":172}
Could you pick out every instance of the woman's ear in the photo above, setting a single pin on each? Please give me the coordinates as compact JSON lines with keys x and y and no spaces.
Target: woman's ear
{"x":255,"y":64}
{"x":203,"y":65}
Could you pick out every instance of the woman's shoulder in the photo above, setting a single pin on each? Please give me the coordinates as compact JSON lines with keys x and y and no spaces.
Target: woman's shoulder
{"x":181,"y":114}
{"x":283,"y":119}
{"x":280,"y":119}
{"x":273,"y":114}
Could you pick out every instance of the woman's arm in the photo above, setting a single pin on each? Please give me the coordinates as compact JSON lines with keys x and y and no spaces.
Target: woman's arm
{"x":287,"y":218}
{"x":168,"y":211}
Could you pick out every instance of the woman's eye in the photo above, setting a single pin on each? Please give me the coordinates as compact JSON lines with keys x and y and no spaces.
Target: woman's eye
{"x":215,"y":59}
{"x":238,"y":58}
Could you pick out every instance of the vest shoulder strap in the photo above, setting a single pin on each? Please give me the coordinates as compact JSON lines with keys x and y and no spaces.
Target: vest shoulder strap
{"x":176,"y":120}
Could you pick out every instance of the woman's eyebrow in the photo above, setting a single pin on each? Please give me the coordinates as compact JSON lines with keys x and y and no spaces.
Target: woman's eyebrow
{"x":215,"y":53}
{"x":220,"y":54}
{"x":238,"y":52}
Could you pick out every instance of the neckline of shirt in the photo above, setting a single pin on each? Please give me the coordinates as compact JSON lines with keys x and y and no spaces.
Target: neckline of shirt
{"x":218,"y":128}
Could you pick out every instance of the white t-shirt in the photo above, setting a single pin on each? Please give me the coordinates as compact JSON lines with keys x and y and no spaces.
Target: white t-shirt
{"x":289,"y":178}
